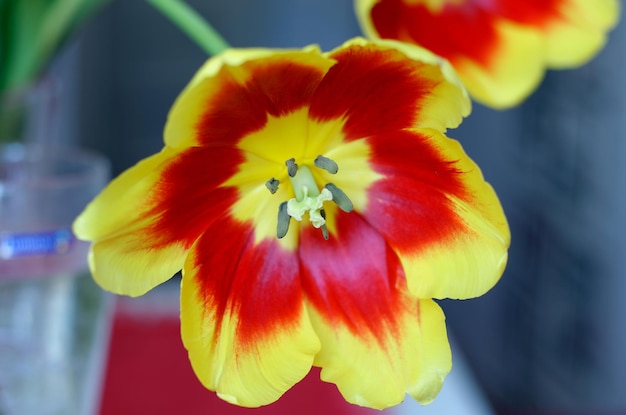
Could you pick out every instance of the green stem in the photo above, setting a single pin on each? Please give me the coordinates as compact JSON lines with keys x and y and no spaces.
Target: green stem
{"x":190,"y":22}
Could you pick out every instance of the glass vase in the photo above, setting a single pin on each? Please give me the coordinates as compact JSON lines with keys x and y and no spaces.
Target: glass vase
{"x":54,"y":321}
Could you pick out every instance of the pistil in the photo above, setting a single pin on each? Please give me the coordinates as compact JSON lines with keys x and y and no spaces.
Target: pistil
{"x":309,"y":198}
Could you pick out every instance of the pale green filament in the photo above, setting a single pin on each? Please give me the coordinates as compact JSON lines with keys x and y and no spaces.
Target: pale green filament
{"x":308,"y":198}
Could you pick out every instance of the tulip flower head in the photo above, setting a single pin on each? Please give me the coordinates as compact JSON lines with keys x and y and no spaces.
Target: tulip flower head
{"x":500,"y":48}
{"x":315,"y":207}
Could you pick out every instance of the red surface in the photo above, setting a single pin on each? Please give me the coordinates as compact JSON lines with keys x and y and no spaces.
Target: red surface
{"x":148,"y":373}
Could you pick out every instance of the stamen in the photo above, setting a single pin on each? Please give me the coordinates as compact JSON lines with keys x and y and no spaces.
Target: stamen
{"x":326,"y":164}
{"x":324,"y":231}
{"x":292,"y":167}
{"x":308,"y":200}
{"x":272,"y":185}
{"x":323,"y":227}
{"x":340,"y":198}
{"x":282,"y":226}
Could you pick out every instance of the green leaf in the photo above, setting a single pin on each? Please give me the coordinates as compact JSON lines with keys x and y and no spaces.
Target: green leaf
{"x":32,"y":31}
{"x":21,"y":21}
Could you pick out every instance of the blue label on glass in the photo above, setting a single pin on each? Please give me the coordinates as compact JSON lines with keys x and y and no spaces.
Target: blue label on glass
{"x":54,"y":242}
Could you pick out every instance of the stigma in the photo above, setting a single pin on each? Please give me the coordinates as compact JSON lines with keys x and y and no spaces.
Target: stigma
{"x":309,"y":198}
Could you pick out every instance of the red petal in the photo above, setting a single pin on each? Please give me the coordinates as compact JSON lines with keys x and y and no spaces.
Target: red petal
{"x":273,"y":86}
{"x":375,"y":89}
{"x":378,"y":342}
{"x":435,"y":209}
{"x":411,"y":206}
{"x":243,"y":317}
{"x":353,"y":278}
{"x":536,"y":13}
{"x":189,"y":198}
{"x":459,"y":31}
{"x":259,"y":282}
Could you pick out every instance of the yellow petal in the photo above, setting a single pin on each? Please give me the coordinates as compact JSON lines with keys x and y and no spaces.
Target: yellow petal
{"x":438,"y":214}
{"x":125,"y":264}
{"x":442,"y":104}
{"x":106,"y":214}
{"x":471,"y":261}
{"x":123,"y":259}
{"x":513,"y":75}
{"x":582,"y":32}
{"x":243,"y":319}
{"x":221,"y":91}
{"x":378,"y":373}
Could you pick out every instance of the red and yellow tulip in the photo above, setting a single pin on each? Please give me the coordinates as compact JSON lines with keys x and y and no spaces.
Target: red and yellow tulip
{"x":500,"y":48}
{"x":316,"y":208}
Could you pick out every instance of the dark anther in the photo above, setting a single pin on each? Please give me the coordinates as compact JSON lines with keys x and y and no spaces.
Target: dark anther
{"x":283,"y":221}
{"x":323,"y":227}
{"x":324,"y":231}
{"x":272,"y":185}
{"x":326,"y":164}
{"x":292,"y":167}
{"x":340,"y":198}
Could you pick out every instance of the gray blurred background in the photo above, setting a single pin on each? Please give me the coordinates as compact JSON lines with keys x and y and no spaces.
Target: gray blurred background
{"x":550,"y":337}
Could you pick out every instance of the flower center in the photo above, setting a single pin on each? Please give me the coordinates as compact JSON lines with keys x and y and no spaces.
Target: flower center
{"x":309,"y":198}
